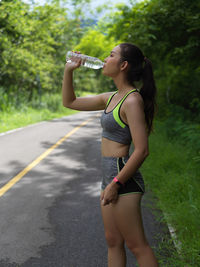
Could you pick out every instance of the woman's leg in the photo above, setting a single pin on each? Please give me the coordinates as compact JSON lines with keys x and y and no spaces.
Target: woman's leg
{"x":128,"y":219}
{"x":115,"y":241}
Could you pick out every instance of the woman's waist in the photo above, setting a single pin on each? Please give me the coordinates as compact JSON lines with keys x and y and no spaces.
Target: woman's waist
{"x":111,"y":148}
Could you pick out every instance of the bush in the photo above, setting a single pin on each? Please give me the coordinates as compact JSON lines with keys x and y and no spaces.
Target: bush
{"x":172,"y":172}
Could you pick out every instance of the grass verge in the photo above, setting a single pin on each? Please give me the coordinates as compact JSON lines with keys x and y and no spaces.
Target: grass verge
{"x":19,"y":118}
{"x":47,"y":108}
{"x":173,"y":176}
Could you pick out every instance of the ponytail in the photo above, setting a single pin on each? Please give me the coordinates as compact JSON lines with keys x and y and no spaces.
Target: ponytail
{"x":140,"y":69}
{"x":148,"y":93}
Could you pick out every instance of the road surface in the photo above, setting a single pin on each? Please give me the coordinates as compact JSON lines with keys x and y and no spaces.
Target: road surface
{"x":50,"y":212}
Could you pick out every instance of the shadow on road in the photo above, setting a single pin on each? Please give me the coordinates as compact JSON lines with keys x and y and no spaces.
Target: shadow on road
{"x":68,"y":180}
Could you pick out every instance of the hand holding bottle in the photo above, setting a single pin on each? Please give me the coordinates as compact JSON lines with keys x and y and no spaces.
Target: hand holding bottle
{"x":84,"y":60}
{"x":74,"y":62}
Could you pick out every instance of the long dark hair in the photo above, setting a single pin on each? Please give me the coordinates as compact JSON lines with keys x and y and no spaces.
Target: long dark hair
{"x":140,"y":69}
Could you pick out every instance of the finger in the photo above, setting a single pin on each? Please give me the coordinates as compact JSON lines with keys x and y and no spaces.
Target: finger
{"x":102,"y":195}
{"x":78,"y":61}
{"x":114,"y":201}
{"x":104,"y":202}
{"x":83,"y":61}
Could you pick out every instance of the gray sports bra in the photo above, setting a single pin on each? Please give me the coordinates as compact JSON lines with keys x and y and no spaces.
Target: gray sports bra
{"x":113,"y":126}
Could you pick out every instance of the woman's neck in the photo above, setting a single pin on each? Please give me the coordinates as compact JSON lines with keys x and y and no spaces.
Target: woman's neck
{"x":123,"y":86}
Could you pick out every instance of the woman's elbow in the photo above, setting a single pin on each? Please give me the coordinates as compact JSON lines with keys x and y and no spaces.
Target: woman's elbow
{"x":143,"y":153}
{"x":66,"y":104}
{"x":146,"y":153}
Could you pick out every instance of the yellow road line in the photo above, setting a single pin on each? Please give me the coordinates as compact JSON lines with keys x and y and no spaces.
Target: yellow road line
{"x":14,"y":180}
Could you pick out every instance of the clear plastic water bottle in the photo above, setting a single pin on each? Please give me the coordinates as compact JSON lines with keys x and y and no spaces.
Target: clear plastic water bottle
{"x":87,"y":61}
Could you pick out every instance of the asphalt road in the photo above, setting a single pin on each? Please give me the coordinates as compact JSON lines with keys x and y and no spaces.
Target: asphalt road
{"x":51,"y":216}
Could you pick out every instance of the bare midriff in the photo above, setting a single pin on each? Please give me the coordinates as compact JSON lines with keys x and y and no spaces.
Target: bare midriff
{"x":113,"y":149}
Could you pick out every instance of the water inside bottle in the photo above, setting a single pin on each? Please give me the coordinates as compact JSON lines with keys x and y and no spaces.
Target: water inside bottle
{"x":92,"y":64}
{"x":87,"y":61}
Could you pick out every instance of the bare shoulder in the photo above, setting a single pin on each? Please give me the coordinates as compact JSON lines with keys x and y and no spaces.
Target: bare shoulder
{"x":105,"y":96}
{"x":134,"y":110}
{"x":133,"y":101}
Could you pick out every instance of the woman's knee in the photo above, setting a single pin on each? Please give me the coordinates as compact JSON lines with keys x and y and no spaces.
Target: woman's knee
{"x":137,"y":248}
{"x":114,"y":240}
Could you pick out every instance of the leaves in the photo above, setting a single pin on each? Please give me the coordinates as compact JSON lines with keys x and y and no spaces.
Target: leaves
{"x":33,"y":42}
{"x":168,"y":33}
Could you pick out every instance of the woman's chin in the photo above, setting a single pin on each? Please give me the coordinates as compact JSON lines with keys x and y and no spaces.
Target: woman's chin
{"x":105,"y":73}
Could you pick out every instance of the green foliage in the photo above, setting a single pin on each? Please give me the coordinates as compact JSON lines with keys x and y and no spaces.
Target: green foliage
{"x":33,"y":43}
{"x":47,"y":108}
{"x":179,"y":125}
{"x":173,"y":174}
{"x":97,"y":44}
{"x":168,"y":33}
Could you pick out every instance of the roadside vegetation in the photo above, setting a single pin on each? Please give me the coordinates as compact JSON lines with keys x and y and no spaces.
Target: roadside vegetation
{"x":34,"y":40}
{"x":47,"y":107}
{"x":26,"y":115}
{"x":172,"y":172}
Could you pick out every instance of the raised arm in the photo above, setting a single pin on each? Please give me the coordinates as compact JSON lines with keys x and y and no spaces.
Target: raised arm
{"x":70,"y":100}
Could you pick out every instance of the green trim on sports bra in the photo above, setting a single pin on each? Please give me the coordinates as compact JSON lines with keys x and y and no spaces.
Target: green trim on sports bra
{"x":109,"y":99}
{"x":116,"y":110}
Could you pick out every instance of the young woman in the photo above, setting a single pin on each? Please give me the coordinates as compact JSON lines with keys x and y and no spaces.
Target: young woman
{"x":127,"y":117}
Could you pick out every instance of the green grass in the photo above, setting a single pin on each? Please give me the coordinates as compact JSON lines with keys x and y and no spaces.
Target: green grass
{"x":174,"y":178}
{"x":19,"y":118}
{"x":47,"y":108}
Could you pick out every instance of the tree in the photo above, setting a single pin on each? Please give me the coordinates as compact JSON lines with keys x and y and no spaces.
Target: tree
{"x":168,"y":33}
{"x":33,"y":44}
{"x":96,"y":44}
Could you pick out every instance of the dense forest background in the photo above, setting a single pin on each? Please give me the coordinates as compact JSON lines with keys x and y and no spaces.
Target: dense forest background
{"x":34,"y":40}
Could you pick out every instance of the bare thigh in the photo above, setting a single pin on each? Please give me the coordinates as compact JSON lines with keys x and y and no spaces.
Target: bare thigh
{"x":128,"y":219}
{"x":123,"y":220}
{"x":112,"y":233}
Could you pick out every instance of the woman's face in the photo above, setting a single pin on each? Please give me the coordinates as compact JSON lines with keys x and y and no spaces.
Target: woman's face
{"x":112,"y":63}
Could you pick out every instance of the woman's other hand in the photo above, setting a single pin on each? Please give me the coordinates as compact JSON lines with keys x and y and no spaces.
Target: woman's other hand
{"x":110,"y":194}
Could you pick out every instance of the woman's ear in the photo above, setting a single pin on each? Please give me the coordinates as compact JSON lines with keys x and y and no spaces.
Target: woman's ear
{"x":124,"y":65}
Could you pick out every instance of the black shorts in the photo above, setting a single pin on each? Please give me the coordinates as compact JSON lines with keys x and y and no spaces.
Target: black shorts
{"x":111,"y":166}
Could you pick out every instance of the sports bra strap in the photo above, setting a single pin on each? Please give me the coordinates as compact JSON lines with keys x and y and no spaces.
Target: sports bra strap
{"x":120,"y":103}
{"x":110,"y":98}
{"x":116,"y":110}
